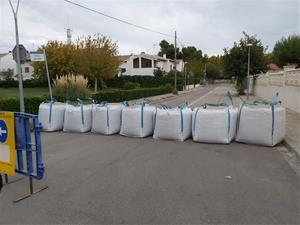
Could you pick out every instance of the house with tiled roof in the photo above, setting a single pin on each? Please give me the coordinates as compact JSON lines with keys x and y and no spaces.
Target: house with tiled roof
{"x":145,"y":64}
{"x":7,"y":62}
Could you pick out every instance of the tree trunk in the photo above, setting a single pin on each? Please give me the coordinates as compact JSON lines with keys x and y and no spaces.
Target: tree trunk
{"x":101,"y":84}
{"x":96,"y":86}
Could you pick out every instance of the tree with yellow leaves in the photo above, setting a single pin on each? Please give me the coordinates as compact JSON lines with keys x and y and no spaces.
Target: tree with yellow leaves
{"x":61,"y":60}
{"x":97,"y":58}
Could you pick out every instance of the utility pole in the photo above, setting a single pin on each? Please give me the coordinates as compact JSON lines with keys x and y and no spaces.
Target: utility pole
{"x":184,"y":77}
{"x":205,"y":74}
{"x":20,"y":77}
{"x":248,"y":73}
{"x":175,"y":58}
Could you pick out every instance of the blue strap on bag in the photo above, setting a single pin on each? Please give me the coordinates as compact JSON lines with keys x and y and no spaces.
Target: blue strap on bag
{"x":52,"y":101}
{"x":181,"y":119}
{"x":228,"y":114}
{"x":194,"y":123}
{"x":142,"y":115}
{"x":230,"y":97}
{"x":80,"y":103}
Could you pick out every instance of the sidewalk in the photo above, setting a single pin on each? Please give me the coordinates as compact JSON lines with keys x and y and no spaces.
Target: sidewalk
{"x":169,"y":95}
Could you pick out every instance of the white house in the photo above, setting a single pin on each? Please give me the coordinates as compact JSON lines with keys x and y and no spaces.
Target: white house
{"x":7,"y":62}
{"x":145,"y":64}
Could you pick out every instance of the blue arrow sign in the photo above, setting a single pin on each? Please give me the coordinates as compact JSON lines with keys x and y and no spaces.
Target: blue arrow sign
{"x":3,"y":131}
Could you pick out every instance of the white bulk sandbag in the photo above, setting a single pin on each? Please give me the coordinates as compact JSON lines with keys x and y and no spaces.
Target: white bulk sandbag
{"x":214,"y":124}
{"x":137,"y":120}
{"x":51,"y":115}
{"x":174,"y":124}
{"x":107,"y":118}
{"x":261,"y":125}
{"x":78,"y":118}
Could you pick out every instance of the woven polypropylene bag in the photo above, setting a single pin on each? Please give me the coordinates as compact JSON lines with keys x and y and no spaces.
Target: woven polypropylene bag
{"x":51,"y":115}
{"x":107,"y":118}
{"x":261,"y":125}
{"x":78,"y":118}
{"x":214,"y":125}
{"x":173,"y":124}
{"x":137,"y":120}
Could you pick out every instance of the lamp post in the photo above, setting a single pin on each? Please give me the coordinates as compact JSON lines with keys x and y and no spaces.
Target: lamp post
{"x":175,"y":59}
{"x":248,"y":73}
{"x":20,"y":77}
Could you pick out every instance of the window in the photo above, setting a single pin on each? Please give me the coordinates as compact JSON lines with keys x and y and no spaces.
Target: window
{"x":26,"y":69}
{"x":146,"y":63}
{"x":123,"y":70}
{"x":136,"y":63}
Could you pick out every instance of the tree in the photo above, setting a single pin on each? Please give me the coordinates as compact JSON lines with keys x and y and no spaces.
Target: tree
{"x":218,"y":63}
{"x":169,"y":50}
{"x":189,"y":53}
{"x":269,"y":58}
{"x":287,"y":50}
{"x":61,"y":60}
{"x":7,"y":74}
{"x":212,"y":71}
{"x":97,"y":58}
{"x":236,"y":58}
{"x":196,"y":67}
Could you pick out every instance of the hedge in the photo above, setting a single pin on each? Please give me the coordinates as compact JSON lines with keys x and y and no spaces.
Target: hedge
{"x":117,"y":82}
{"x":13,"y":104}
{"x":26,"y":83}
{"x":32,"y":104}
{"x":126,"y":95}
{"x":144,"y":81}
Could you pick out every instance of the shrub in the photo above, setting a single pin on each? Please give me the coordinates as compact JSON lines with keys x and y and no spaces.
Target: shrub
{"x":32,"y":104}
{"x":144,"y":81}
{"x":131,"y":85}
{"x":13,"y":104}
{"x":126,"y":95}
{"x":70,"y":87}
{"x":26,"y":83}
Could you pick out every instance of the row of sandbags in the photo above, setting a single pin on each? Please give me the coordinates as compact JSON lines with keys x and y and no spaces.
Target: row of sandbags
{"x":260,"y":123}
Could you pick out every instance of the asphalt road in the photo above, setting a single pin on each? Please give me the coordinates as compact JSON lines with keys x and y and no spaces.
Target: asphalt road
{"x":117,"y":180}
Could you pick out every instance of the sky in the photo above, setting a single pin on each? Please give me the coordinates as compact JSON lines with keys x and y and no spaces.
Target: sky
{"x":209,"y":25}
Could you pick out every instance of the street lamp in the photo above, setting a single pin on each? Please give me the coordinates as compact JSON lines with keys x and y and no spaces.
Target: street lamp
{"x":20,"y":78}
{"x":248,"y":74}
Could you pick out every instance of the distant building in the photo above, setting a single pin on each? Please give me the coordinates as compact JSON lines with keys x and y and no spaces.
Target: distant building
{"x":7,"y":62}
{"x":145,"y":64}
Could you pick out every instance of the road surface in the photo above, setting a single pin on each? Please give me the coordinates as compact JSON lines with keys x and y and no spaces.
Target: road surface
{"x":120,"y":180}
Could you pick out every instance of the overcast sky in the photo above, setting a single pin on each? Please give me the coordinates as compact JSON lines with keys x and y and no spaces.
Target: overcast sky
{"x":209,"y":25}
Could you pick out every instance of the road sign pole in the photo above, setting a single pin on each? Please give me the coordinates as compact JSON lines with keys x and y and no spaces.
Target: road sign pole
{"x":20,"y":77}
{"x":175,"y":58}
{"x":48,"y":76}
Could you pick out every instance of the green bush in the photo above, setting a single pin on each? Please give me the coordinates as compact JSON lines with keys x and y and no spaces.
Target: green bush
{"x":126,"y":95}
{"x":131,"y":85}
{"x":26,"y":83}
{"x":13,"y":104}
{"x":143,"y":81}
{"x":32,"y":104}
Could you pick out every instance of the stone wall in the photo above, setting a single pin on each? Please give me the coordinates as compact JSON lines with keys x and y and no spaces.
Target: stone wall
{"x":286,"y":82}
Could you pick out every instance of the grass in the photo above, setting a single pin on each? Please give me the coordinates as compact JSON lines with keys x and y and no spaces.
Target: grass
{"x":28,"y":92}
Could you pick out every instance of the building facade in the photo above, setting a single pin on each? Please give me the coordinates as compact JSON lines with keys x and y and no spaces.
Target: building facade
{"x":7,"y":62}
{"x":145,"y":65}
